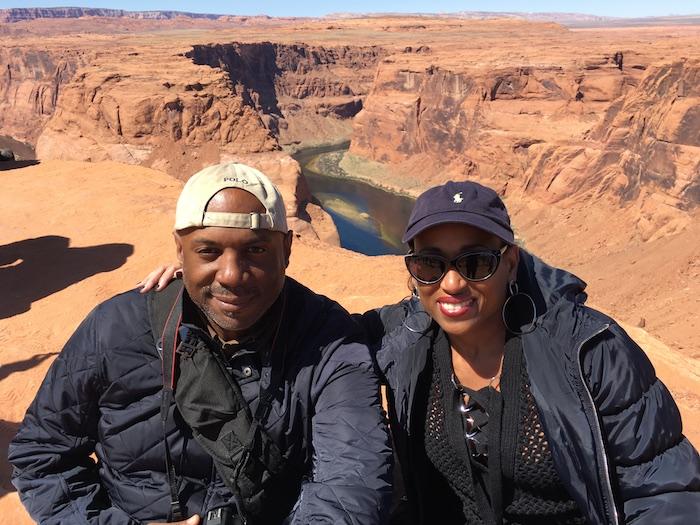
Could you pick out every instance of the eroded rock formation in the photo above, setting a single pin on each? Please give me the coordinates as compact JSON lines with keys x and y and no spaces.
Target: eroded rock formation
{"x":558,"y":134}
{"x":479,"y":121}
{"x":179,"y":111}
{"x":537,"y":110}
{"x":152,"y":110}
{"x":31,"y":81}
{"x":304,"y":92}
{"x":645,"y":150}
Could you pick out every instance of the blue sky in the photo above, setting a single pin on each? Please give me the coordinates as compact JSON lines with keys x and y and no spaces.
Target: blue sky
{"x":624,"y":8}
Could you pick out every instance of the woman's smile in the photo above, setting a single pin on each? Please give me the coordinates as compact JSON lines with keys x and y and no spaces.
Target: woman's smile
{"x":451,"y":306}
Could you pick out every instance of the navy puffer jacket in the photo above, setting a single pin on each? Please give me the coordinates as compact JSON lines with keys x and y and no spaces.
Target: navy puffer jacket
{"x":613,"y":428}
{"x":103,"y":395}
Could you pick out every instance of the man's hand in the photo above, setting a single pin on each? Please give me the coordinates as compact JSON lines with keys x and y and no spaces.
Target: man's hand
{"x":159,"y":277}
{"x":194,"y":520}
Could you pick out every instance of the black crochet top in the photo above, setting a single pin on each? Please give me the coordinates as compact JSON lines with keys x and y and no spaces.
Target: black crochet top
{"x":469,"y":482}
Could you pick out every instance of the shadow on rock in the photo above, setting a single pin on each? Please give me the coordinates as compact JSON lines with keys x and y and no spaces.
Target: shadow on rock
{"x":15,"y":164}
{"x":24,"y":364}
{"x":7,"y":432}
{"x":36,"y":268}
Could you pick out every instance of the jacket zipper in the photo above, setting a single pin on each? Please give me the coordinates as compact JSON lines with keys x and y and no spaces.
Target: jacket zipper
{"x":607,"y":484}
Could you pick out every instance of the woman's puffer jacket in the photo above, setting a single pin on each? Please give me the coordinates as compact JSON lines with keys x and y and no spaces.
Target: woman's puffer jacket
{"x":614,"y":430}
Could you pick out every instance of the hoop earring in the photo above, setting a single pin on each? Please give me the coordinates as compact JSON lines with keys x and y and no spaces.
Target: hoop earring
{"x":418,"y":322}
{"x":515,"y":295}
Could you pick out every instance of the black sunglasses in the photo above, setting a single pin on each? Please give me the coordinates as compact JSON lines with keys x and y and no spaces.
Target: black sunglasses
{"x":473,"y":266}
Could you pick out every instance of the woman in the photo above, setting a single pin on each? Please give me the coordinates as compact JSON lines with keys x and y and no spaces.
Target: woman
{"x":510,"y":401}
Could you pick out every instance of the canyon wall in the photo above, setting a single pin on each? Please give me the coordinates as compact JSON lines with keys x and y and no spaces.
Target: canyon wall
{"x":156,"y":109}
{"x":304,"y":92}
{"x":31,"y":81}
{"x":555,"y":115}
{"x":619,"y":131}
{"x":644,"y":152}
{"x":178,"y":111}
{"x":481,"y":121}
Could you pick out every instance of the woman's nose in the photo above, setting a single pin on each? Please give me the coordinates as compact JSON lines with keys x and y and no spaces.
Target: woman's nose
{"x":453,"y":282}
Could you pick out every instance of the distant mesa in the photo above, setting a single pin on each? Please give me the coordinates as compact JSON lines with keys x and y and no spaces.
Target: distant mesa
{"x":19,"y":14}
{"x":580,"y":20}
{"x":32,"y":13}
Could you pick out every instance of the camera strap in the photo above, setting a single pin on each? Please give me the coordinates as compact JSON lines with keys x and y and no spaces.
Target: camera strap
{"x":247,"y":473}
{"x":165,"y":315}
{"x":211,"y":402}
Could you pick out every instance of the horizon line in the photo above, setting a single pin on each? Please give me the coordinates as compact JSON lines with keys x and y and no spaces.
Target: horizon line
{"x":361,"y":14}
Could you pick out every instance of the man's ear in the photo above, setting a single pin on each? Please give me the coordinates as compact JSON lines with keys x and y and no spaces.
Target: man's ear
{"x":288,"y":247}
{"x":178,"y":247}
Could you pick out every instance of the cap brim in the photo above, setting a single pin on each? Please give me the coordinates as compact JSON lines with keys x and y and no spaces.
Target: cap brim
{"x":460,"y":217}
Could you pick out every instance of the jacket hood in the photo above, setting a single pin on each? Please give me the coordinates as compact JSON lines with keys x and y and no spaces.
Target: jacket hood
{"x":546,"y":284}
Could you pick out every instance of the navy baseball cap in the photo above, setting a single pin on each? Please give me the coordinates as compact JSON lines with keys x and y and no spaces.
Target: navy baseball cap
{"x":463,"y":203}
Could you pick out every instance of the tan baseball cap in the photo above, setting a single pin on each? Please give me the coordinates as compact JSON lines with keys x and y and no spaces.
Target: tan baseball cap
{"x":203,"y":185}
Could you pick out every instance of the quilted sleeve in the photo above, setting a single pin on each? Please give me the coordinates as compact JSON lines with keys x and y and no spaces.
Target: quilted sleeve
{"x":656,"y":469}
{"x":351,"y":477}
{"x":57,"y":480}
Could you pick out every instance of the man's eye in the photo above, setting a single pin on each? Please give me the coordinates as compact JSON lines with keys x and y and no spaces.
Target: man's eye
{"x":207,"y":252}
{"x":256,"y":250}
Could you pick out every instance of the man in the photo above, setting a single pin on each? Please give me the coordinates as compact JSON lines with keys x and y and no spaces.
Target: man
{"x":275,"y":415}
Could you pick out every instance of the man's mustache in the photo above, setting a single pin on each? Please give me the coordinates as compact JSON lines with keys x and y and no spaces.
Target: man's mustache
{"x":227,"y":293}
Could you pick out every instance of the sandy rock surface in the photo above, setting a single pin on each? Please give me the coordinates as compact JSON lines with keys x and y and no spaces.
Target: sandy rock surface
{"x":77,"y":233}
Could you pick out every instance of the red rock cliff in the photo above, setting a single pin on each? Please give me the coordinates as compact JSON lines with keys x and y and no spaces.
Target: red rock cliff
{"x":304,"y":92}
{"x":179,"y":111}
{"x":589,"y":130}
{"x":31,"y":81}
{"x":151,"y":108}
